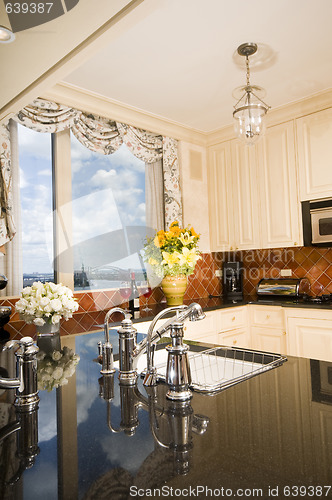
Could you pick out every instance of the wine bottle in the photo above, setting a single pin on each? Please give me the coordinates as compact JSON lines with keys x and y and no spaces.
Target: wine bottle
{"x":134,"y":296}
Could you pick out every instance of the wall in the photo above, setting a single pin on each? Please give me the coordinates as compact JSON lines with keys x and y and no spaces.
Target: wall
{"x":313,"y":263}
{"x":194,"y":187}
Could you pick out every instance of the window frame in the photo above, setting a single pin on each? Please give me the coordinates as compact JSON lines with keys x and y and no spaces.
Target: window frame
{"x":62,"y":208}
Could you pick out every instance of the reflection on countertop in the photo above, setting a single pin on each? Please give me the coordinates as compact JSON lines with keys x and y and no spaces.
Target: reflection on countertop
{"x":98,"y":440}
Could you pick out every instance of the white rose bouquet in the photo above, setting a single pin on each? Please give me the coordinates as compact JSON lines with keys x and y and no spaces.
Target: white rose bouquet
{"x":56,"y":368}
{"x":46,"y":303}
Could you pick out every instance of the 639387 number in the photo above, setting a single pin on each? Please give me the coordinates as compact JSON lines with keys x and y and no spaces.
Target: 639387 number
{"x":29,"y":8}
{"x":306,"y":491}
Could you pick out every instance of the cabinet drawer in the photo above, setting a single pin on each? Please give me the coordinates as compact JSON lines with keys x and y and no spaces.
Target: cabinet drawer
{"x":196,"y":330}
{"x":235,"y":338}
{"x":269,"y":339}
{"x":235,"y":317}
{"x":272,"y":317}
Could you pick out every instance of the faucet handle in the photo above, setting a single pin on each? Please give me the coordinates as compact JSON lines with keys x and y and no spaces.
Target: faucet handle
{"x":200,"y":423}
{"x":24,"y":346}
{"x":106,"y":354}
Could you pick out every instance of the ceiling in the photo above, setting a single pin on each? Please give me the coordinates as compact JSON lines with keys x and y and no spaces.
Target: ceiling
{"x":176,"y":59}
{"x":179,"y":61}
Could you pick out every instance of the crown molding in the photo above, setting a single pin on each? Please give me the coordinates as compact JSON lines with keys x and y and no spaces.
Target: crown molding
{"x":118,"y":22}
{"x":73,"y":96}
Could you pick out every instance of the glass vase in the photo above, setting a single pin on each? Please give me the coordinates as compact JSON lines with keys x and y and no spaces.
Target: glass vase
{"x":48,"y":337}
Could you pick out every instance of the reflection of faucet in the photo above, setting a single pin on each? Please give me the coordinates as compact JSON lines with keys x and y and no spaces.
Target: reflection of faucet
{"x":178,"y":418}
{"x":26,"y":427}
{"x":130,"y":402}
{"x":182,"y":423}
{"x":25,"y":382}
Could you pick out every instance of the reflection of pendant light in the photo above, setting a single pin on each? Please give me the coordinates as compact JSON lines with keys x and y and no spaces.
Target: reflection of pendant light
{"x":6,"y":35}
{"x":249,"y":110}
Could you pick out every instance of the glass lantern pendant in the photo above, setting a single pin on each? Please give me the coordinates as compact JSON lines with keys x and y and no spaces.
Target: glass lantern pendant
{"x":249,"y":111}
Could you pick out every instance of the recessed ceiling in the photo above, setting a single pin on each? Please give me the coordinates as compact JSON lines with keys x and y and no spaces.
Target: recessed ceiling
{"x":179,"y":61}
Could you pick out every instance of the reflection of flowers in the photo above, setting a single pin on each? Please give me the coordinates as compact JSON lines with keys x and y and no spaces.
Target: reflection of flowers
{"x":56,"y":368}
{"x":173,"y":252}
{"x":46,"y":303}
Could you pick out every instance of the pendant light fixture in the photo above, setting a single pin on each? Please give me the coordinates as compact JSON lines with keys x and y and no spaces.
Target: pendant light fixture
{"x":250,"y":110}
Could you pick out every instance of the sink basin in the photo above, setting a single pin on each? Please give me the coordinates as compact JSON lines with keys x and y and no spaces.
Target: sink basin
{"x":216,"y":369}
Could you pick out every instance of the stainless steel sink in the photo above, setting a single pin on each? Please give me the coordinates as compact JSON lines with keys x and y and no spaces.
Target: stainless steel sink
{"x":216,"y":369}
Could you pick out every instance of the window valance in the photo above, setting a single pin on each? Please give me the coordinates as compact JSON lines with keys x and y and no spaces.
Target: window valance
{"x":99,"y":134}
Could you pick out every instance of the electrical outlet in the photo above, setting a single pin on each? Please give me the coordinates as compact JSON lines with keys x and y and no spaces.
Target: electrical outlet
{"x":286,"y":272}
{"x":218,"y":273}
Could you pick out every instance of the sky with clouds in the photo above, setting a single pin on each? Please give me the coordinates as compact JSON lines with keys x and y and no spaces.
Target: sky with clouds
{"x":108,"y":193}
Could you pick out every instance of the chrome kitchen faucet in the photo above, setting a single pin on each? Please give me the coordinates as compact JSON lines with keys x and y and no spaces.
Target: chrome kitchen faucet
{"x":178,"y":370}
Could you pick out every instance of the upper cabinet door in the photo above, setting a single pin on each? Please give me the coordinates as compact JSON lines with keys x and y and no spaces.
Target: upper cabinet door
{"x":220,"y":197}
{"x":245,"y":216}
{"x":314,"y":140}
{"x":280,"y":215}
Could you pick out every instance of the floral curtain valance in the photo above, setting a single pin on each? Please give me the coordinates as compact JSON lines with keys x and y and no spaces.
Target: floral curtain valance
{"x":7,"y":224}
{"x":99,"y":134}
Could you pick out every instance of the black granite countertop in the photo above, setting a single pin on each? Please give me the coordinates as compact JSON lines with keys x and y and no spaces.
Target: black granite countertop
{"x":271,"y":434}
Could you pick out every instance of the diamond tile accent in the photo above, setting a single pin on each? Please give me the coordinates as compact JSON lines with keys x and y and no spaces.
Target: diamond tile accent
{"x":312,"y":262}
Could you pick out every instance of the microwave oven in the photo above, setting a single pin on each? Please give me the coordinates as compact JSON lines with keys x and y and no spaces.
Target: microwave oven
{"x":317,"y":223}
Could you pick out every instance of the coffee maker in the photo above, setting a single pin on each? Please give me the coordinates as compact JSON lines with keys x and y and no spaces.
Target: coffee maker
{"x":233,"y":280}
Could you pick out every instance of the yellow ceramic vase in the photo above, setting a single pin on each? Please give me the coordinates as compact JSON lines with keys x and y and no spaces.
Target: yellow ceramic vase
{"x":174,"y":288}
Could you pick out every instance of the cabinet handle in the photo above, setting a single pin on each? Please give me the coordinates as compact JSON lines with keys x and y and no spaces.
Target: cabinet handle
{"x":233,"y":319}
{"x":234,"y":342}
{"x":267,"y":316}
{"x":284,"y":333}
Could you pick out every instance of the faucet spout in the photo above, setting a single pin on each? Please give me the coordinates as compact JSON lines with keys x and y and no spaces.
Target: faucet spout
{"x":151,"y":338}
{"x":106,"y":348}
{"x":194,"y":312}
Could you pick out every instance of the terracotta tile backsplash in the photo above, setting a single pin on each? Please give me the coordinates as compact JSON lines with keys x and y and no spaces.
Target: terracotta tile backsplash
{"x":311,"y":262}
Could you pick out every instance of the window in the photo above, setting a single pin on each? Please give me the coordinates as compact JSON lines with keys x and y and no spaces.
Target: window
{"x":35,"y":161}
{"x":106,"y":205}
{"x":108,"y":193}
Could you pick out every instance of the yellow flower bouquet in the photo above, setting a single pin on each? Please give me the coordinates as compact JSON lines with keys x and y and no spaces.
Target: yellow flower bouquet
{"x":173,"y":252}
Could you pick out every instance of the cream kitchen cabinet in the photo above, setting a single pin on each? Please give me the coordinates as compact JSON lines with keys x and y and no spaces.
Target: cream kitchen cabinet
{"x":303,"y":332}
{"x":204,"y":330}
{"x":233,"y":209}
{"x":232,"y":327}
{"x":267,"y":328}
{"x":244,"y":216}
{"x":228,"y":326}
{"x":314,"y":144}
{"x":309,"y":333}
{"x":281,"y":223}
{"x":253,"y":192}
